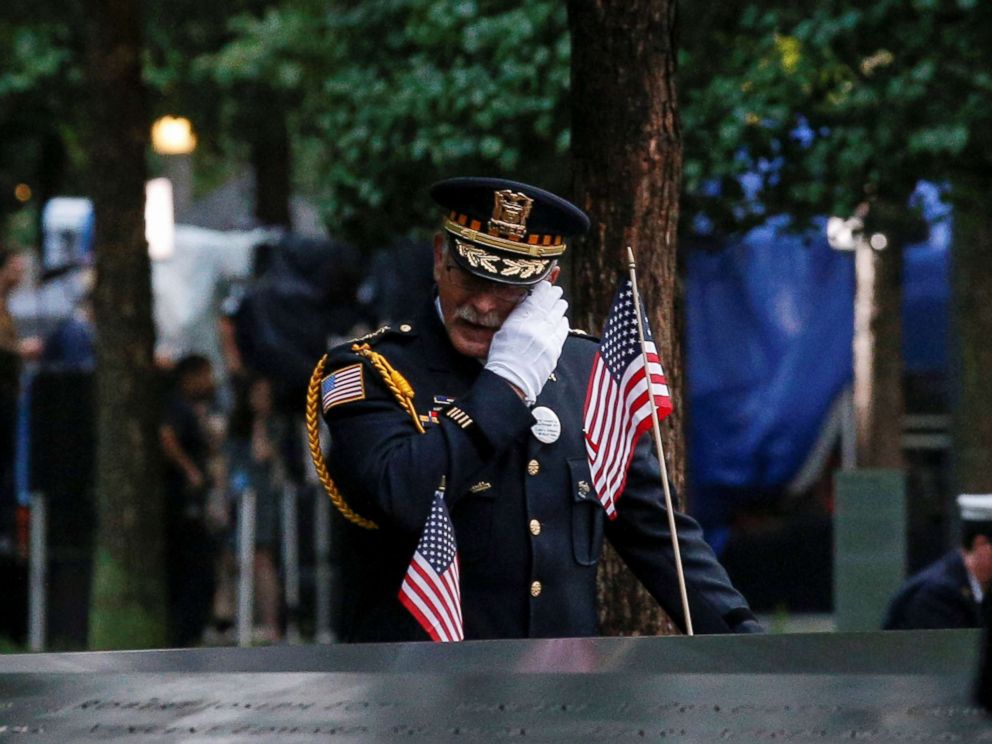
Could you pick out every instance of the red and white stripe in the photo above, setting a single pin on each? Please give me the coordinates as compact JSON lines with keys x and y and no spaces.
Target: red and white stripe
{"x":434,"y":599}
{"x":617,"y":413}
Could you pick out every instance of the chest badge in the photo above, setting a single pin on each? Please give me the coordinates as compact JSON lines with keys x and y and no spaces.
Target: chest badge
{"x":547,"y":426}
{"x":430,"y":418}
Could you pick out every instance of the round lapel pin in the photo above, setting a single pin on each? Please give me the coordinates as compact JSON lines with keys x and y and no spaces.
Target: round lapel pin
{"x":547,"y":426}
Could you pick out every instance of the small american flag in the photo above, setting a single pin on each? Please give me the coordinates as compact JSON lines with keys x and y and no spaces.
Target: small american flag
{"x":618,"y":408}
{"x":342,"y":386}
{"x":430,"y":589}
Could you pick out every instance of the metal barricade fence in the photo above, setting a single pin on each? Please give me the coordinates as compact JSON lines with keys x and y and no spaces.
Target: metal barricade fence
{"x":38,"y":574}
{"x":246,"y":566}
{"x":290,"y":554}
{"x":291,"y":561}
{"x":38,"y":605}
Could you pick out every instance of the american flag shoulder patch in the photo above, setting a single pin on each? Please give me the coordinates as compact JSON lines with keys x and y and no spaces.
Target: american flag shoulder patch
{"x":344,"y":386}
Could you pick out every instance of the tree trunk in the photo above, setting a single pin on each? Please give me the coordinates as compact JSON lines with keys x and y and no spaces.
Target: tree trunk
{"x":878,"y":393}
{"x":128,"y":602}
{"x":270,"y":157}
{"x":972,"y":326}
{"x":627,"y":155}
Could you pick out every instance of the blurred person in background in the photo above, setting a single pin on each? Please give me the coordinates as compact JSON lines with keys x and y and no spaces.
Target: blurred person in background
{"x":14,"y":350}
{"x":949,"y":592}
{"x":256,"y":462}
{"x":70,"y":345}
{"x":185,"y":439}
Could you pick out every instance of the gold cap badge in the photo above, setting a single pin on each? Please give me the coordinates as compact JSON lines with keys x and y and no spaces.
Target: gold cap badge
{"x":510,"y":214}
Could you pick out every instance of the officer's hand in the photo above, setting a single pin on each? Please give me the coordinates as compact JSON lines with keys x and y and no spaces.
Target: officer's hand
{"x":525,"y":350}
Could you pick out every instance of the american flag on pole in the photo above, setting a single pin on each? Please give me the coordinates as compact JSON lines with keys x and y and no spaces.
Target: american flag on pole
{"x":430,"y":590}
{"x":618,"y":407}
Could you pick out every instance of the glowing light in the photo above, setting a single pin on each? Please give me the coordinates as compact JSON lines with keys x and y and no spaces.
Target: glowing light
{"x":22,"y":192}
{"x":173,"y":135}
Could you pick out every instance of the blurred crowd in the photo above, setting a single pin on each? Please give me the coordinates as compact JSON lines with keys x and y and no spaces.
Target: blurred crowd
{"x":232,"y":408}
{"x":211,"y":458}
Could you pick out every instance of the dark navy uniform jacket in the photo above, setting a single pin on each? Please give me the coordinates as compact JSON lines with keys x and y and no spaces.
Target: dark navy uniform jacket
{"x":939,"y":596}
{"x":528,"y":523}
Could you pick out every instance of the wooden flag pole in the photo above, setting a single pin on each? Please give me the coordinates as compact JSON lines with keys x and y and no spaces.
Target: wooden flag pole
{"x":658,"y":447}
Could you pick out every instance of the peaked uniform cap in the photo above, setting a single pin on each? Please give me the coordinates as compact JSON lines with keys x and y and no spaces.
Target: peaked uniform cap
{"x":975,"y":507}
{"x":506,"y":231}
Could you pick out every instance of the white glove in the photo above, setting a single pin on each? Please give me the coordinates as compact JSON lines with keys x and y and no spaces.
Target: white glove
{"x":525,"y":350}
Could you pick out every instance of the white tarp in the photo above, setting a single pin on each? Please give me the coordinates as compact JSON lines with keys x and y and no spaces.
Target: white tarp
{"x":189,"y":286}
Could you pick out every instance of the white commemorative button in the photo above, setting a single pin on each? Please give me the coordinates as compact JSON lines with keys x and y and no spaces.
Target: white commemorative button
{"x":547,"y":426}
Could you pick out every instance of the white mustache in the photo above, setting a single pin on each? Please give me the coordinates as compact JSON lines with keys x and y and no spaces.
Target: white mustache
{"x":487,"y":320}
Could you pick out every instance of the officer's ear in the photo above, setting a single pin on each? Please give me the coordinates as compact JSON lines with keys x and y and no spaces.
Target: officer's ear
{"x":553,"y":276}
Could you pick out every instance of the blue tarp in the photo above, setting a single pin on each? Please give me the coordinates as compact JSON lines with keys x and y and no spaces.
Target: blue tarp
{"x":768,"y":349}
{"x":925,"y":307}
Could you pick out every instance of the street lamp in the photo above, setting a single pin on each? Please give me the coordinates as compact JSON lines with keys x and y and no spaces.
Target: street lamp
{"x":173,"y":135}
{"x":173,"y":138}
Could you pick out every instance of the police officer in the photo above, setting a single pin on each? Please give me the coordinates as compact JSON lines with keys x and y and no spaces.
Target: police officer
{"x":949,"y":592}
{"x":498,"y":381}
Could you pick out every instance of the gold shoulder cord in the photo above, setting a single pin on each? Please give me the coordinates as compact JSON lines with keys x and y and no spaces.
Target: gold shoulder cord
{"x":400,"y":389}
{"x":396,"y":383}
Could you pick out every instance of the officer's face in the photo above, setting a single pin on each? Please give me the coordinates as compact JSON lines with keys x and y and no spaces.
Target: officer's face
{"x":471,"y":313}
{"x":981,"y":563}
{"x":473,"y":308}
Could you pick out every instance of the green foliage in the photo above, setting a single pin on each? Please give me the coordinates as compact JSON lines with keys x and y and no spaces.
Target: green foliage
{"x":38,"y":82}
{"x":888,"y":93}
{"x":20,"y":229}
{"x":178,"y":34}
{"x":390,"y":96}
{"x":33,"y":56}
{"x":383,"y":98}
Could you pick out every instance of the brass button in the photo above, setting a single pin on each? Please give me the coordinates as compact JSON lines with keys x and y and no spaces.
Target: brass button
{"x":533,"y":467}
{"x":535,"y":589}
{"x":535,"y":527}
{"x":406,"y":328}
{"x":584,"y":488}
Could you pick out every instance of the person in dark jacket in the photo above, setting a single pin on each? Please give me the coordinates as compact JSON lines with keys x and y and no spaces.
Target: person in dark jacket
{"x":498,"y":382}
{"x":949,"y":592}
{"x":185,"y":444}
